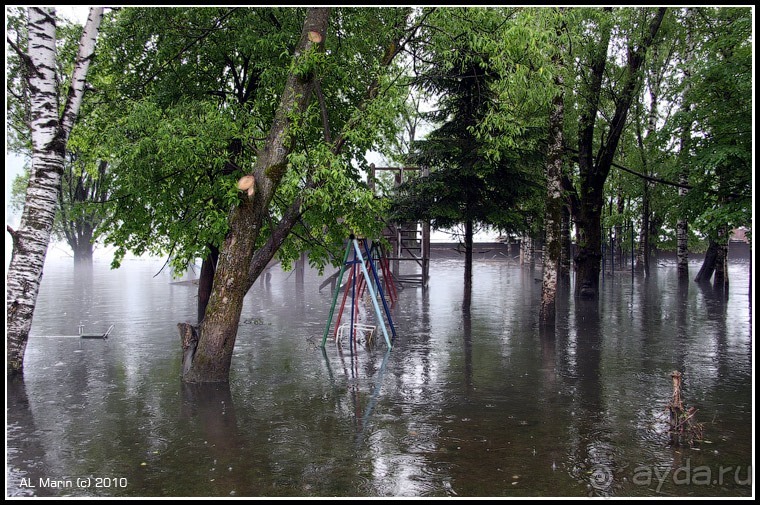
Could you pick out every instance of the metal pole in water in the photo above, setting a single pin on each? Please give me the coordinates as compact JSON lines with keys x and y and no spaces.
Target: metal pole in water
{"x":351,"y":336}
{"x":335,"y":295}
{"x":372,"y":294}
{"x":379,"y":287}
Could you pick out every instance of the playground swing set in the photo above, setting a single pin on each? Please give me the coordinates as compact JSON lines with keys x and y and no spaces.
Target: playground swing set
{"x":365,"y":261}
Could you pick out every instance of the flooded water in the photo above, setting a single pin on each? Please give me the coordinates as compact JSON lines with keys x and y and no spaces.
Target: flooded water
{"x":467,"y":403}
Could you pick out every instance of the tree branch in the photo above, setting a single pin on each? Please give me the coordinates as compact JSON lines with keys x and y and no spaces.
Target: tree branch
{"x":393,"y":49}
{"x":21,"y":54}
{"x":190,"y":44}
{"x":263,"y":255}
{"x":323,"y":110}
{"x":13,"y":233}
{"x":85,"y":55}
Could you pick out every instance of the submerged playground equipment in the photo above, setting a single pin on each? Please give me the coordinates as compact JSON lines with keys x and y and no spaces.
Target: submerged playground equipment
{"x":104,"y":335}
{"x":362,"y":263}
{"x":409,"y":242}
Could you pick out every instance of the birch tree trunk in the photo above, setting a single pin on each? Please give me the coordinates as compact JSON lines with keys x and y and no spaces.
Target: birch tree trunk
{"x":682,"y":234}
{"x":49,"y":136}
{"x":554,"y":205}
{"x":526,"y":246}
{"x":218,"y":330}
{"x":708,"y":264}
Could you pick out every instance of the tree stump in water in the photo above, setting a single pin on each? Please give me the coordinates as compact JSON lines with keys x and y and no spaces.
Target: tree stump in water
{"x":188,"y":334}
{"x":683,"y":427}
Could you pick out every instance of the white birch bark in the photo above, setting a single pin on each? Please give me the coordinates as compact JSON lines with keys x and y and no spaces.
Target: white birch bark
{"x":553,"y":213}
{"x":49,"y":136}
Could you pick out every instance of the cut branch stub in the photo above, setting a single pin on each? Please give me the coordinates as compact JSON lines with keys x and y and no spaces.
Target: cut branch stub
{"x":247,"y":183}
{"x":189,"y":336}
{"x":315,"y":37}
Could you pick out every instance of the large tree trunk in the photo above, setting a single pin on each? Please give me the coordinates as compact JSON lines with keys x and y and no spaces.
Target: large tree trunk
{"x":49,"y":136}
{"x":708,"y":264}
{"x":206,"y":280}
{"x":594,"y":169}
{"x":218,"y":330}
{"x":83,"y":248}
{"x":554,"y":205}
{"x":588,"y":255}
{"x":720,"y":284}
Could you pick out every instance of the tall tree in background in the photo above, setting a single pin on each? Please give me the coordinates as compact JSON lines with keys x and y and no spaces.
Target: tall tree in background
{"x":468,"y":184}
{"x":722,"y":146}
{"x":50,"y":127}
{"x":83,"y":192}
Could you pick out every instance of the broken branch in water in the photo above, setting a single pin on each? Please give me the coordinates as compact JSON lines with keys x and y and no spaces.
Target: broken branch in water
{"x":683,"y":426}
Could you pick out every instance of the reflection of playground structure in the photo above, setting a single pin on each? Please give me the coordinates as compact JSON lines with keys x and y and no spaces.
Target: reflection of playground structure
{"x":361,"y":410}
{"x":364,"y":282}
